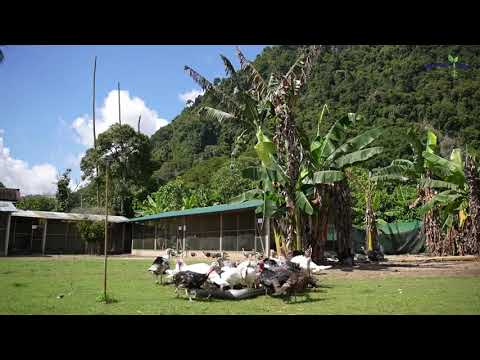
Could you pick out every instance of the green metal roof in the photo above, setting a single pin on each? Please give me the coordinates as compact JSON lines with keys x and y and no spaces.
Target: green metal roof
{"x":205,"y":210}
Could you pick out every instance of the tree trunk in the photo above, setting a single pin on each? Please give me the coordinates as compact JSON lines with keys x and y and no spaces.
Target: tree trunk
{"x":342,"y":214}
{"x":471,"y":228}
{"x":434,"y":241}
{"x":370,"y":222}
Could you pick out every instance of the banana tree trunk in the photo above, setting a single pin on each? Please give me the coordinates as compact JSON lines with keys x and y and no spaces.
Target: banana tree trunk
{"x":471,"y":229}
{"x":434,"y":241}
{"x":370,"y":222}
{"x":342,"y":213}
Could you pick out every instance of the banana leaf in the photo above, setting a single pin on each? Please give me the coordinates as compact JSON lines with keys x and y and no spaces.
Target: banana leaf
{"x":437,"y":184}
{"x":325,"y":177}
{"x":357,"y":143}
{"x":357,"y":156}
{"x":302,"y":203}
{"x":264,"y":148}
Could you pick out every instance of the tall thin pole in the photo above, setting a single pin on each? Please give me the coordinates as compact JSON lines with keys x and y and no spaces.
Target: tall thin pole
{"x":139,"y":118}
{"x":106,"y":235}
{"x":119,"y":114}
{"x":94,"y":134}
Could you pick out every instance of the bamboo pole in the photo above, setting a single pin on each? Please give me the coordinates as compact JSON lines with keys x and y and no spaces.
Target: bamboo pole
{"x":106,"y":236}
{"x":94,"y":134}
{"x":119,"y":113}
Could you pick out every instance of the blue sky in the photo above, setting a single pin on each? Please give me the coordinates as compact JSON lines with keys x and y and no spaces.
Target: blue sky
{"x":46,"y":99}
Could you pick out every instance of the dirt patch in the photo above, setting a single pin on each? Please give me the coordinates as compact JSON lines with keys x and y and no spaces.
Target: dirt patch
{"x":409,"y":266}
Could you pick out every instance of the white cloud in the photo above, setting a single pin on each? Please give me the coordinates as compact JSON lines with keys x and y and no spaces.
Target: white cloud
{"x":38,"y":179}
{"x":190,"y":95}
{"x":73,"y":161}
{"x":131,"y":109}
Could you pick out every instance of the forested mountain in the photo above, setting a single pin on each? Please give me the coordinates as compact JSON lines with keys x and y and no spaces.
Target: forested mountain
{"x":389,"y":85}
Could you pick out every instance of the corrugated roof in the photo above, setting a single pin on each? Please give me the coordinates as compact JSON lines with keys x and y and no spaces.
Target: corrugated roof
{"x":205,"y":210}
{"x":7,"y":206}
{"x":67,"y":216}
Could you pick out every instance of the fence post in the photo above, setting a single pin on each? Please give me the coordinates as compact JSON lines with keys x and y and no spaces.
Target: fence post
{"x":7,"y":233}
{"x":221,"y":232}
{"x":44,"y":238}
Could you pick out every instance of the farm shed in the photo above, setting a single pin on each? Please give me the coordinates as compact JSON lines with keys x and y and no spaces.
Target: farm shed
{"x":228,"y":227}
{"x":6,"y":210}
{"x":48,"y":232}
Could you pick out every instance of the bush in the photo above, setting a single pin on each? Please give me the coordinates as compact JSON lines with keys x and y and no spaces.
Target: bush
{"x":93,"y":233}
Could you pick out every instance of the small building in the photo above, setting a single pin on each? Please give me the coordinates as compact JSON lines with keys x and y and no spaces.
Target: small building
{"x":49,"y":232}
{"x":229,"y":228}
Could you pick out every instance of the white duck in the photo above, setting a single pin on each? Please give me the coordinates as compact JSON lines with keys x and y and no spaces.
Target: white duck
{"x":200,"y":268}
{"x":303,"y":262}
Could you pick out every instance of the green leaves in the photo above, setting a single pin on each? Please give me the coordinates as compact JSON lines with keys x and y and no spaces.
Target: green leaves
{"x":431,"y":146}
{"x":438,"y":184}
{"x":302,"y":203}
{"x":451,"y":170}
{"x":357,"y":143}
{"x":264,"y":148}
{"x":325,"y":177}
{"x":247,"y":195}
{"x":214,"y":114}
{"x":442,"y":199}
{"x":357,"y":156}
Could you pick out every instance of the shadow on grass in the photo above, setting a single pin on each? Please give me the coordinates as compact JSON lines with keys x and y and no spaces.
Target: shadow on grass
{"x":306,"y":299}
{"x":16,"y":284}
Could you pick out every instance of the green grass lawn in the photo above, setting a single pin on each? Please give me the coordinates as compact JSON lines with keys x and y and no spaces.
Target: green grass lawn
{"x":31,"y":286}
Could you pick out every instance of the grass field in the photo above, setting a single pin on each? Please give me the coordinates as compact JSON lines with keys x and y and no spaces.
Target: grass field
{"x":31,"y":286}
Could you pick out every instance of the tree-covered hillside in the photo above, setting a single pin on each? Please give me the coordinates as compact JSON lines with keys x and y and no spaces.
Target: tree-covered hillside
{"x":388,"y":85}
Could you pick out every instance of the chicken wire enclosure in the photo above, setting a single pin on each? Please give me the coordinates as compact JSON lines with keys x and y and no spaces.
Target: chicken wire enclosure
{"x":227,"y":231}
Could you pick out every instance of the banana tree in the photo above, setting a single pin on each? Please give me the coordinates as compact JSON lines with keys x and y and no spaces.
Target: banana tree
{"x":330,"y":155}
{"x":417,"y":171}
{"x":456,"y":198}
{"x":272,"y":100}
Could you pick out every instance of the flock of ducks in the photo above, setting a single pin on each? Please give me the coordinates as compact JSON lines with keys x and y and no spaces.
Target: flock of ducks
{"x":276,"y":275}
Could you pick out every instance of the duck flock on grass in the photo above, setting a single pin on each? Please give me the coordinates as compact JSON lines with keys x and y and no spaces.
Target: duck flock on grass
{"x":274,"y":275}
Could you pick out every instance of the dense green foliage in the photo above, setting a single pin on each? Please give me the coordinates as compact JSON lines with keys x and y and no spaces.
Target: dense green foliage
{"x":63,"y":195}
{"x":128,"y":155}
{"x":390,"y":86}
{"x":37,"y":202}
{"x":390,"y":200}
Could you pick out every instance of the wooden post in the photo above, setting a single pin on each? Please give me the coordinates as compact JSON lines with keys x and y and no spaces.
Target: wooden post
{"x":267,"y":236}
{"x":184,"y":231}
{"x":155,"y":238}
{"x":44,"y":238}
{"x":238,"y":224}
{"x":255,"y":233}
{"x":221,"y":232}
{"x":131,"y":232}
{"x":106,"y":237}
{"x":7,"y":233}
{"x":123,"y":238}
{"x":94,"y":135}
